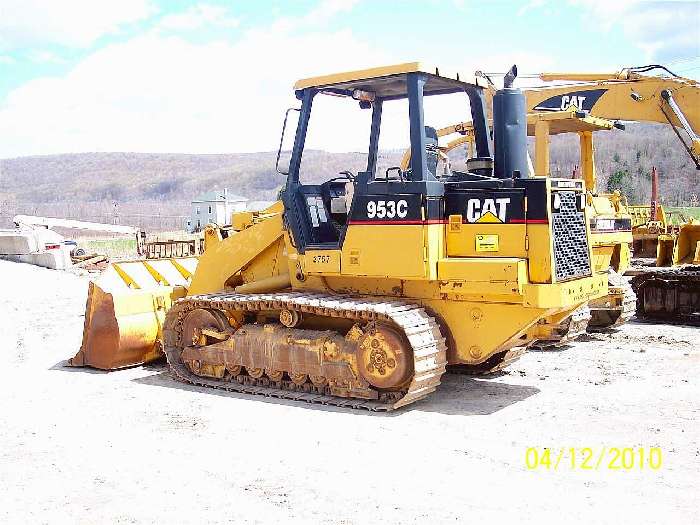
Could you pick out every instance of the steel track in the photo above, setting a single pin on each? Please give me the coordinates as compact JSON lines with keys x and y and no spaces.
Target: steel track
{"x":687,"y":276}
{"x":420,"y":329}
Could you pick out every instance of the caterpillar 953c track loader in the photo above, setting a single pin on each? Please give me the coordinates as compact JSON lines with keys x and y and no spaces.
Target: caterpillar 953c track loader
{"x":360,"y":290}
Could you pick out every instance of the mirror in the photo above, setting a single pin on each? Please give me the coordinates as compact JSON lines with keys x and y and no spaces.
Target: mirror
{"x":284,"y":153}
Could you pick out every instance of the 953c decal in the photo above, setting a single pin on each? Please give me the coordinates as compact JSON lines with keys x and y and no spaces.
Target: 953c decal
{"x":387,"y":209}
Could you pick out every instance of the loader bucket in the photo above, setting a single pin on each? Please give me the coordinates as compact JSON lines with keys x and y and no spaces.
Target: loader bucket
{"x":688,"y":244}
{"x":125,"y":311}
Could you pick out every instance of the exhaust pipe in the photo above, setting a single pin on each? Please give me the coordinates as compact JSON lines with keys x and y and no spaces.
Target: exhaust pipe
{"x":510,"y":130}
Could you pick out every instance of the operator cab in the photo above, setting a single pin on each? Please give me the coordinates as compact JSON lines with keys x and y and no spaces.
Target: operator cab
{"x":318,"y":214}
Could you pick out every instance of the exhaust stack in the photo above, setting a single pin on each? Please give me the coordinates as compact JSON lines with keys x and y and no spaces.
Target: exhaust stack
{"x":510,"y":130}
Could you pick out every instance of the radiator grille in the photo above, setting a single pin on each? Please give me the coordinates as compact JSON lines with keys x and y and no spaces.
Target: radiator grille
{"x":571,"y":258}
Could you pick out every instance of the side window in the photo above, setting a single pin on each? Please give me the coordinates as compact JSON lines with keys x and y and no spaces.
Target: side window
{"x":440,"y":112}
{"x":394,"y":137}
{"x":210,"y":210}
{"x":197,"y":210}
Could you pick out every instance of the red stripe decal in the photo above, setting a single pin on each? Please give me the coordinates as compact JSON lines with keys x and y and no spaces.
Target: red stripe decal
{"x":398,"y":221}
{"x":441,"y":221}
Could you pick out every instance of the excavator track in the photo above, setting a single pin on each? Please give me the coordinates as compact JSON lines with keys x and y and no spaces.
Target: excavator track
{"x":603,"y":319}
{"x":570,"y":329}
{"x":669,"y":295}
{"x":420,"y":329}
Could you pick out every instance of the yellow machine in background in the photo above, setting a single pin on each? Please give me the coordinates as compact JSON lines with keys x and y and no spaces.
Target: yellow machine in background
{"x":610,"y":222}
{"x":361,"y":298}
{"x":634,"y":95}
{"x":647,"y":225}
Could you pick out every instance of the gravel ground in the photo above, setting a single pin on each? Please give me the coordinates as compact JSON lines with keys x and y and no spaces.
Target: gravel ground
{"x":134,"y":446}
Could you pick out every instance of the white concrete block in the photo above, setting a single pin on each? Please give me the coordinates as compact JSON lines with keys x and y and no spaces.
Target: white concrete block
{"x":15,"y":242}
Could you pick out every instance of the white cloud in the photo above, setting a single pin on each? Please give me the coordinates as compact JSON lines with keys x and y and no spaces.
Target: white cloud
{"x":159,"y":93}
{"x":7,"y":59}
{"x":317,"y":17}
{"x":45,"y":57}
{"x":328,"y":9}
{"x":72,"y":23}
{"x":197,"y":17}
{"x":664,"y":30}
{"x":529,"y":6}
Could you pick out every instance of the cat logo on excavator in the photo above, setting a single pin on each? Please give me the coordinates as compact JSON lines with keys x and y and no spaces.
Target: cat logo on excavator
{"x":581,"y":100}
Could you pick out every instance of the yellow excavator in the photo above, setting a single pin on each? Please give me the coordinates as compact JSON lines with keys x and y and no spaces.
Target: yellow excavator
{"x":632,"y":94}
{"x":610,"y":225}
{"x":359,"y":291}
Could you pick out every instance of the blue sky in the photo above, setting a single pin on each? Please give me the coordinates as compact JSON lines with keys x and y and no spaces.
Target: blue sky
{"x":151,"y":75}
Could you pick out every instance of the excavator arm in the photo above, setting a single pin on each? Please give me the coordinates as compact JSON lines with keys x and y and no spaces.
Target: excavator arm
{"x":627,"y":95}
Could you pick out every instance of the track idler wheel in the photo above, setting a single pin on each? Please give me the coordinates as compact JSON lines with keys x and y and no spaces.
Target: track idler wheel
{"x":199,"y":320}
{"x":194,"y":335}
{"x":384,"y":359}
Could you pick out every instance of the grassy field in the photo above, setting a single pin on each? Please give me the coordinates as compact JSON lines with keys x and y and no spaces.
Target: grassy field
{"x":688,"y":211}
{"x":122,"y":248}
{"x":125,"y":247}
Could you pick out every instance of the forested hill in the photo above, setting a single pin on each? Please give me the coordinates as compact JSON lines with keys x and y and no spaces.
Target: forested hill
{"x":624,"y":160}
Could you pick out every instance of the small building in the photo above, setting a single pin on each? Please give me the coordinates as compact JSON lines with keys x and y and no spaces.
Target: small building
{"x":216,"y":207}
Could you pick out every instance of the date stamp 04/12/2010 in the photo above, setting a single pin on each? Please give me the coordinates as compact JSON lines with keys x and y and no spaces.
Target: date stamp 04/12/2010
{"x":593,"y":458}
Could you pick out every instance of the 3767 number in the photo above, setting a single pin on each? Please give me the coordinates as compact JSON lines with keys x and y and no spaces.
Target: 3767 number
{"x":387,"y":209}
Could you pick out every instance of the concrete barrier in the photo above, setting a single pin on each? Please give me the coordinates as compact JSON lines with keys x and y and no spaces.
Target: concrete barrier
{"x":16,"y":242}
{"x":40,"y":247}
{"x":58,"y":259}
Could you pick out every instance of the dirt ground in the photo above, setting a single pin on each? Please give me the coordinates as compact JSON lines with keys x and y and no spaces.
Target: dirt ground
{"x":135,"y":446}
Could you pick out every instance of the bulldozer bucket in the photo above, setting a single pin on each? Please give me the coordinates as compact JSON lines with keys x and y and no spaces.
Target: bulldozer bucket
{"x":125,"y":311}
{"x":688,"y":244}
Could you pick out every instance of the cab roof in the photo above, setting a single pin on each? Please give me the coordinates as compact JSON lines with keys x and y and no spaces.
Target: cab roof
{"x":389,"y":81}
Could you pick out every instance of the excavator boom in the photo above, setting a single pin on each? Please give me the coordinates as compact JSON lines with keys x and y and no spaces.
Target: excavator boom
{"x":626,"y":95}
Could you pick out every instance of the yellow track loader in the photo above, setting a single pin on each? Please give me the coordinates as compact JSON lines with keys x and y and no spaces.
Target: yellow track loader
{"x":359,"y":291}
